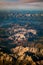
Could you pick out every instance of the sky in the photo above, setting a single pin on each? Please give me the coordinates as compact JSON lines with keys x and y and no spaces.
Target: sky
{"x":21,"y":4}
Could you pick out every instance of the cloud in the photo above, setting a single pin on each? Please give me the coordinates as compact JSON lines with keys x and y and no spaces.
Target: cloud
{"x":21,"y":4}
{"x":28,"y":1}
{"x":35,"y":5}
{"x":23,"y":1}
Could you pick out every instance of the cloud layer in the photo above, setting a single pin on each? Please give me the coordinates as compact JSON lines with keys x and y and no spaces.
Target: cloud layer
{"x":21,"y":4}
{"x":21,"y":1}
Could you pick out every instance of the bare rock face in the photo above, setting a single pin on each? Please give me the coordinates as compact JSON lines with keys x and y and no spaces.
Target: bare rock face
{"x":41,"y":51}
{"x":21,"y":56}
{"x":20,"y":50}
{"x":26,"y":55}
{"x":5,"y":59}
